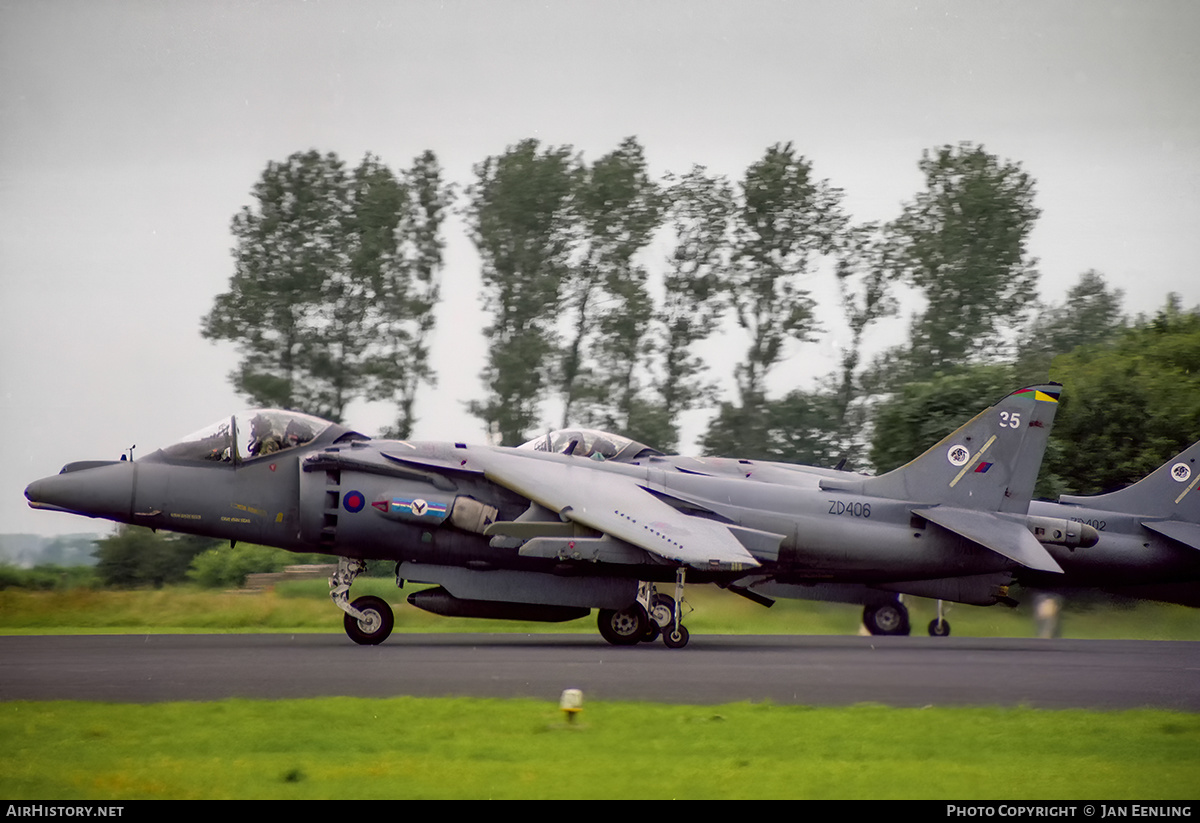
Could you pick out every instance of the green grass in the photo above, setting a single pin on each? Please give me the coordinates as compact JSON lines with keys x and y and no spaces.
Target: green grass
{"x":457,"y":748}
{"x":304,"y":606}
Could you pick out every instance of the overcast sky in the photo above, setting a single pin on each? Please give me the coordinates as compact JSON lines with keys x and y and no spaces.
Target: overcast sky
{"x":132,"y":131}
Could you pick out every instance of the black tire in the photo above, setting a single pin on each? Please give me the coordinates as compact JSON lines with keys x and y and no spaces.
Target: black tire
{"x":626,"y":627}
{"x":888,"y":619}
{"x":378,"y":623}
{"x":939,"y":628}
{"x":662,"y":610}
{"x":675,"y":638}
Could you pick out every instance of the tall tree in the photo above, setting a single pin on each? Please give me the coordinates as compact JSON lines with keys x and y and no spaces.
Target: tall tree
{"x":1090,"y":314}
{"x":320,"y":262}
{"x":695,"y":293}
{"x":784,"y":223}
{"x":785,"y":220}
{"x":407,"y":284}
{"x":520,"y":216}
{"x":286,"y":248}
{"x":866,"y":296}
{"x":618,"y":209}
{"x":962,"y":244}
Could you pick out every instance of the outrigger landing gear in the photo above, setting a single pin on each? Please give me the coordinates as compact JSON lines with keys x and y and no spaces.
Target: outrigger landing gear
{"x":939,"y":626}
{"x":674,"y":635}
{"x":368,"y":619}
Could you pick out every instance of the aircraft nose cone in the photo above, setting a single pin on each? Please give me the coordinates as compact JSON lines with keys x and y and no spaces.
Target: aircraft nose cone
{"x":34,"y":492}
{"x":99,"y":490}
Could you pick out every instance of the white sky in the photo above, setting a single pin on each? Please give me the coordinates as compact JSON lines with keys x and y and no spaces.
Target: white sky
{"x":132,"y":131}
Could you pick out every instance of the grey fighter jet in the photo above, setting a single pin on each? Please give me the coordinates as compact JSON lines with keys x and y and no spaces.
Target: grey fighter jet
{"x":1149,"y":536}
{"x":575,"y":521}
{"x":1142,"y":541}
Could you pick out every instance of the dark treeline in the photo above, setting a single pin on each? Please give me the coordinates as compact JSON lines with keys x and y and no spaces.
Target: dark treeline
{"x":603,"y":282}
{"x":134,"y":557}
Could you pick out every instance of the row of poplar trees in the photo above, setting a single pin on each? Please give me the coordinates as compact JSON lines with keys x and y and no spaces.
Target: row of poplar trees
{"x":603,"y":283}
{"x":336,"y":277}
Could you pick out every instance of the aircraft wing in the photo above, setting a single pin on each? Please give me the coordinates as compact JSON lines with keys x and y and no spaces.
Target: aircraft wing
{"x":616,"y":505}
{"x":1001,"y":535}
{"x":1186,"y":533}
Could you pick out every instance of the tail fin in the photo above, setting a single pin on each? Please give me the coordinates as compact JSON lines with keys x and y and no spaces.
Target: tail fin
{"x":990,"y":463}
{"x":1169,"y":491}
{"x":977,"y":482}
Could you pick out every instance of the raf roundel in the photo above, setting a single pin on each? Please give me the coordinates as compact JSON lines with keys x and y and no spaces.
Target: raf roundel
{"x":354,"y":501}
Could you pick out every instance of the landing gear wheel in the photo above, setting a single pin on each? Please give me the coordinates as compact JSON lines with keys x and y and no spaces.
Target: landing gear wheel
{"x":626,"y":627}
{"x":888,"y":619}
{"x":652,"y":632}
{"x":376,"y":624}
{"x":675,"y":638}
{"x":662,"y":610}
{"x":939,"y":628}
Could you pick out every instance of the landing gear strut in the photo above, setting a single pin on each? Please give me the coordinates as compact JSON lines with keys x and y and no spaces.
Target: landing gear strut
{"x":674,"y":635}
{"x":368,"y":619}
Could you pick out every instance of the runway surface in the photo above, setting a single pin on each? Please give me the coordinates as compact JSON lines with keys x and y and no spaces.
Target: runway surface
{"x":827,"y":671}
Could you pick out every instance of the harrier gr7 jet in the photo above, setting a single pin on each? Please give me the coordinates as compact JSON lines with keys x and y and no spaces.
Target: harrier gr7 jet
{"x":883,"y":611}
{"x":1149,"y":536}
{"x":575,"y":521}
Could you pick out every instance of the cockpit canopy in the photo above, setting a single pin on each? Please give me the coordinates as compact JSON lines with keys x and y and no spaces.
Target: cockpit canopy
{"x":247,"y":435}
{"x":598,"y":445}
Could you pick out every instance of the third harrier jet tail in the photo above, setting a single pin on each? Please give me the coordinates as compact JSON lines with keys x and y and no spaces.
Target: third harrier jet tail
{"x":1149,"y":535}
{"x":1167,"y":497}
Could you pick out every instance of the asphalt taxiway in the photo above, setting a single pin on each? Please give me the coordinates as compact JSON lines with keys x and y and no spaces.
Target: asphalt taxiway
{"x":825,"y":671}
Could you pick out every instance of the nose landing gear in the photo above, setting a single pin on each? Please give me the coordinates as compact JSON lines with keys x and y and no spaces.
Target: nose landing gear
{"x":368,"y":620}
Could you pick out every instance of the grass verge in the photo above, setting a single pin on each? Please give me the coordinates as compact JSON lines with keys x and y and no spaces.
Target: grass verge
{"x":412,"y":748}
{"x":304,"y":607}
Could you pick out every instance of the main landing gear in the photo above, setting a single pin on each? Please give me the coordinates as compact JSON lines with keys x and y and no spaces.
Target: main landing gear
{"x":368,"y":619}
{"x":654,"y":615}
{"x":887,"y":619}
{"x":892,"y":619}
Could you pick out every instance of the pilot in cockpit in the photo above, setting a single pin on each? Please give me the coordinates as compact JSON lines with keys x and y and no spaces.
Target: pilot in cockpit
{"x":597,"y":445}
{"x":601,"y":448}
{"x":298,"y":433}
{"x":263,"y":438}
